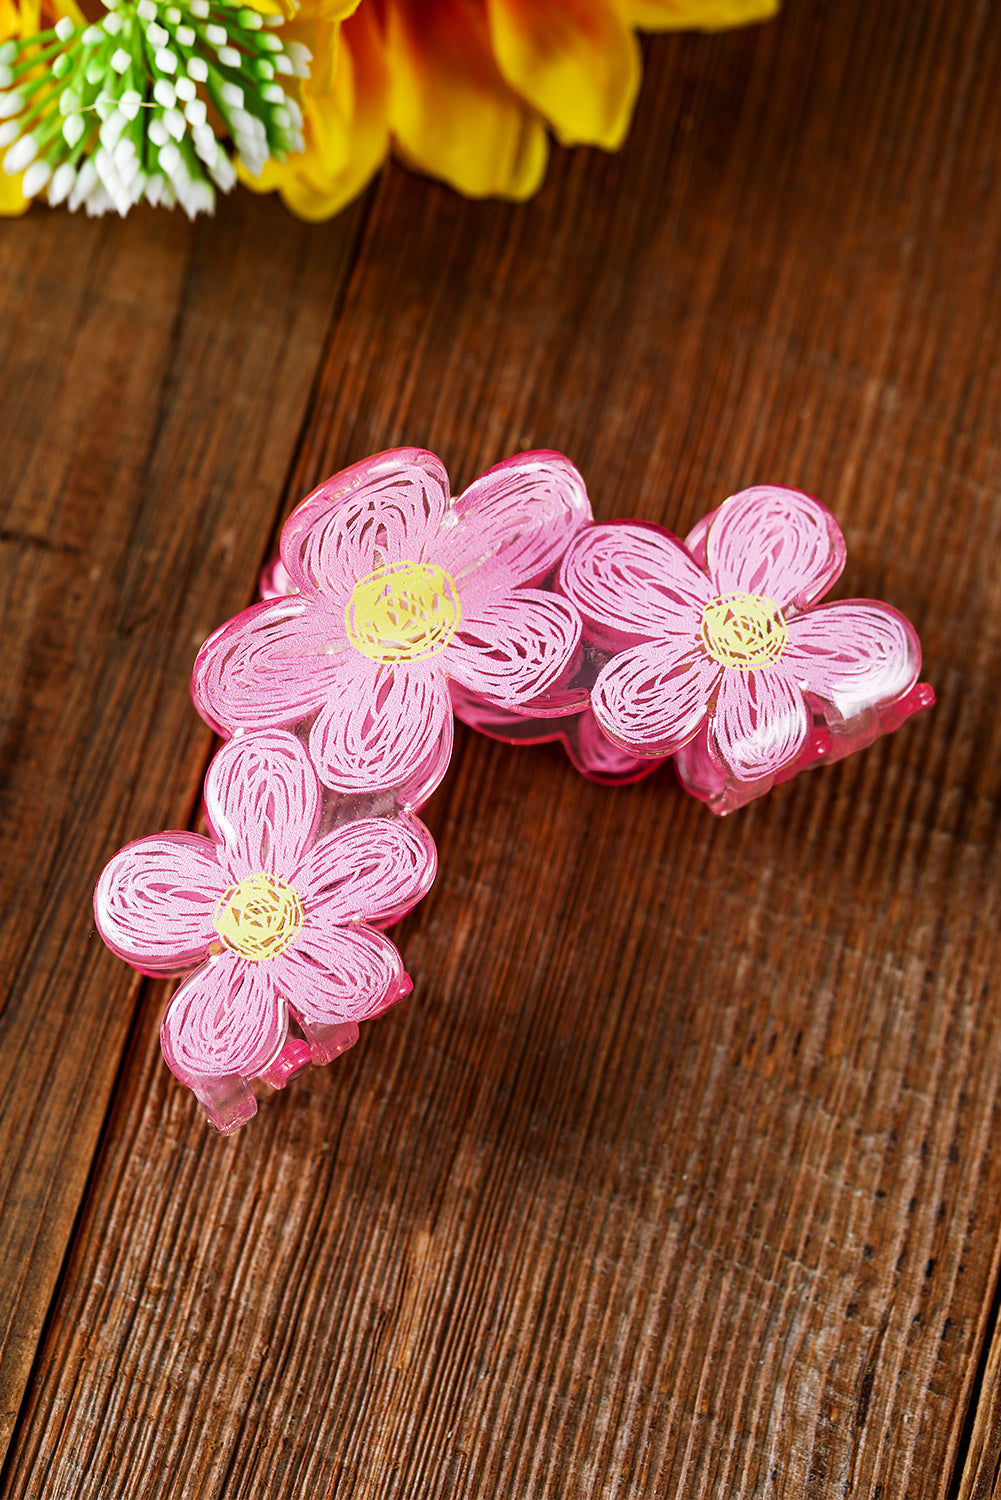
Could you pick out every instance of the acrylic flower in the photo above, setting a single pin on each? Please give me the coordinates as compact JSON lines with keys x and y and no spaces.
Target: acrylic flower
{"x":468,"y":90}
{"x":275,"y":917}
{"x":401,"y":590}
{"x":733,"y":647}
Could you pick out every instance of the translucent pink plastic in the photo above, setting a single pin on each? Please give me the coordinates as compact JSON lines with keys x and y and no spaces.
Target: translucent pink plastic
{"x":387,"y":591}
{"x":713,"y":652}
{"x":720,"y":655}
{"x":392,"y":606}
{"x":278,"y":908}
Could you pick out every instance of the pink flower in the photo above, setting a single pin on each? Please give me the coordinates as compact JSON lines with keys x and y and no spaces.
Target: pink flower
{"x":398,"y":589}
{"x":734,"y":647}
{"x":273,"y":915}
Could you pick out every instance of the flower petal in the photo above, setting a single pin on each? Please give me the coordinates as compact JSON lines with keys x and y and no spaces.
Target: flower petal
{"x":154,"y":901}
{"x":575,"y":61}
{"x":597,"y":757}
{"x":334,"y":974}
{"x":451,"y":112}
{"x":512,"y":525}
{"x":392,"y":731}
{"x":270,"y":665}
{"x":775,"y":542}
{"x":373,"y":870}
{"x":262,"y":800}
{"x":632,"y":581}
{"x":346,"y":116}
{"x":652,"y":698}
{"x":386,"y":509}
{"x":225,"y":1021}
{"x":512,"y":650}
{"x":854,"y":654}
{"x":760,"y":722}
{"x":697,"y":15}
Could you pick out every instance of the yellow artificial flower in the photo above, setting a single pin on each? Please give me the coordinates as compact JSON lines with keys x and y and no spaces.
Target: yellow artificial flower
{"x":468,"y":90}
{"x":20,"y":18}
{"x":698,"y":15}
{"x":344,"y":105}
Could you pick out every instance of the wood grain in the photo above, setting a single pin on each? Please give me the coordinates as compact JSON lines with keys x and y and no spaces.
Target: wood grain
{"x":677,"y":1176}
{"x":155,"y":378}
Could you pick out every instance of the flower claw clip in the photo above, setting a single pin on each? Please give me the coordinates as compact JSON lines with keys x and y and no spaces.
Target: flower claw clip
{"x":722,"y":655}
{"x":393,"y":605}
{"x":718,"y":654}
{"x":334,"y":693}
{"x":390,"y":590}
{"x":281,"y":918}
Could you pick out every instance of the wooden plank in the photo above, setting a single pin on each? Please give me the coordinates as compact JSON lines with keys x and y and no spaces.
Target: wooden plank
{"x":677,"y":1176}
{"x":155,"y":377}
{"x":979,"y":1475}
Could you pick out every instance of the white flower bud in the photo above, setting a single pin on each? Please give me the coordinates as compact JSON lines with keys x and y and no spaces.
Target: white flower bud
{"x":62,"y":182}
{"x":73,"y":129}
{"x":35,"y":178}
{"x":20,"y":155}
{"x":112,"y":129}
{"x":300,"y":57}
{"x":223,"y":172}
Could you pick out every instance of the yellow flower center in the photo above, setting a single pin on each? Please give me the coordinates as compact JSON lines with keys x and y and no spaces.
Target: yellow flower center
{"x":403,"y":611}
{"x":744,"y":631}
{"x":259,"y":917}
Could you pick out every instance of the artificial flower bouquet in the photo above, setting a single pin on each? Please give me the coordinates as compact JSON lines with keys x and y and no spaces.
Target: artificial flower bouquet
{"x":128,"y":100}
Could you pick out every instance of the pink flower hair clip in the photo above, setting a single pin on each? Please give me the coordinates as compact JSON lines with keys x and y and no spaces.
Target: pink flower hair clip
{"x":391,"y":591}
{"x":278,"y":912}
{"x":716,"y":652}
{"x":392,"y":606}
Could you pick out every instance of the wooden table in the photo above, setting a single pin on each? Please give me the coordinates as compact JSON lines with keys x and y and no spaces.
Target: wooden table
{"x":680,"y":1172}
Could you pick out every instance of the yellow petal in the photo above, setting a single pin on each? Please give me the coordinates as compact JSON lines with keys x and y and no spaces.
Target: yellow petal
{"x":12,"y":200}
{"x":346,"y":121}
{"x":575,"y":61}
{"x":451,"y":112}
{"x":697,"y":15}
{"x":17,"y":20}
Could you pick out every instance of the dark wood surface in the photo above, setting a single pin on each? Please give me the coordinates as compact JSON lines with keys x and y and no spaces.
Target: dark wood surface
{"x":680,"y":1173}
